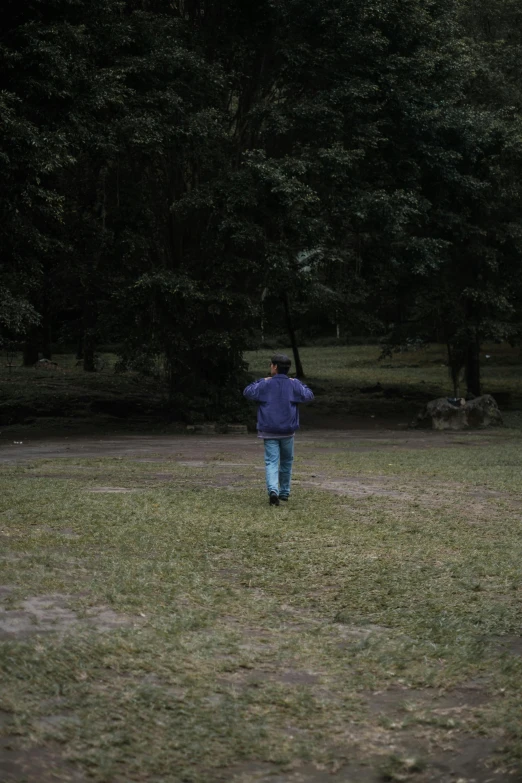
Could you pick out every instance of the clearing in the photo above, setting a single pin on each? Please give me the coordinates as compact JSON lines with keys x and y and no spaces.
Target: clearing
{"x":159,"y":622}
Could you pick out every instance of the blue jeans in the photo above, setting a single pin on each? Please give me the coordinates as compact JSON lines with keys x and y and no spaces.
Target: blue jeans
{"x":279,"y":456}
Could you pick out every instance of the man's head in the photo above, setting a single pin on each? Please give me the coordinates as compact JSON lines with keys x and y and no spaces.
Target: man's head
{"x":280,"y":364}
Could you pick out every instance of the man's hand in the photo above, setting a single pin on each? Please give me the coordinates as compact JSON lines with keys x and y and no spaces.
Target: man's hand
{"x":268,"y":378}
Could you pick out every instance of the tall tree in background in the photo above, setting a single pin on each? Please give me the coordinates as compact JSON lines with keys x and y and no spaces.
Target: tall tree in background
{"x":36,"y":71}
{"x":166,"y":163}
{"x":458,"y":274}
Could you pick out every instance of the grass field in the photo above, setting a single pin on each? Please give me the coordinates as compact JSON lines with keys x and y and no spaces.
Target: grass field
{"x":408,"y":379}
{"x":67,"y":397}
{"x":64,"y":395}
{"x":159,"y":622}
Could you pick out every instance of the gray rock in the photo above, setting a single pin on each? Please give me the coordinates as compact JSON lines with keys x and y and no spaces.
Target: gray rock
{"x":46,"y":364}
{"x":441,"y":414}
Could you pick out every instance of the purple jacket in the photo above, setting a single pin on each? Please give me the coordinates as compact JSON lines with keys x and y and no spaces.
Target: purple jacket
{"x":278,"y":399}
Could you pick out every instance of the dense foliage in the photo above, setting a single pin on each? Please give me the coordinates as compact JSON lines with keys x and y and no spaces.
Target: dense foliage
{"x":177,"y":172}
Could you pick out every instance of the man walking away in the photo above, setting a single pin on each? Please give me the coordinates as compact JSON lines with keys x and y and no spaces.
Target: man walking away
{"x":278,"y":397}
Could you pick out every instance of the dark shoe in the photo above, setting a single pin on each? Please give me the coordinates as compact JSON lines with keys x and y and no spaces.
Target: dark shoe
{"x":273,"y":499}
{"x":283,"y":497}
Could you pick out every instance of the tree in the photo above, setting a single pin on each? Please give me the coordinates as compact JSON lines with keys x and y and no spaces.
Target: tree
{"x":33,"y":80}
{"x":455,"y":271}
{"x":168,"y":162}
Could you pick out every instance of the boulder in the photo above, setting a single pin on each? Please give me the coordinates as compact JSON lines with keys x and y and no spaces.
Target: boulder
{"x":45,"y":364}
{"x":458,"y":414}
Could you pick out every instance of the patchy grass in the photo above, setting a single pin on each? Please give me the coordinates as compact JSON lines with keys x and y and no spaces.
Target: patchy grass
{"x":171,"y":626}
{"x":66,"y":397}
{"x":407,"y":379}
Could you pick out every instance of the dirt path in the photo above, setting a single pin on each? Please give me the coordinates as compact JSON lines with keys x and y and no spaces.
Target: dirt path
{"x":15,"y":449}
{"x":239,"y":460}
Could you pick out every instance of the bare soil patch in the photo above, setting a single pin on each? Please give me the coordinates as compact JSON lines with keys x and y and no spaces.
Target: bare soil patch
{"x":234,"y":450}
{"x":358,"y":487}
{"x":53,"y":476}
{"x":35,"y":765}
{"x":468,"y":760}
{"x":113,"y":490}
{"x":509,"y":644}
{"x":471,"y":759}
{"x":257,"y":772}
{"x":255,"y":677}
{"x":396,"y":701}
{"x":52,"y":614}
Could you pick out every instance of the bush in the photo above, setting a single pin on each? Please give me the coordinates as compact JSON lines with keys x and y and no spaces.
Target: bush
{"x":149,"y":365}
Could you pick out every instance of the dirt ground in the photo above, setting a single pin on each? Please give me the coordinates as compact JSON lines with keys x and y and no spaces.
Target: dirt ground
{"x":462,"y":763}
{"x":232,"y":453}
{"x":19,"y":444}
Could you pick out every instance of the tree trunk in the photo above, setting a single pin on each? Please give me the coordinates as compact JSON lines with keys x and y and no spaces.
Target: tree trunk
{"x":90,"y":312}
{"x":293,"y":342}
{"x":89,"y":336}
{"x":46,"y":332}
{"x":473,"y":366}
{"x":457,"y":356}
{"x":46,"y":325}
{"x":31,"y":347}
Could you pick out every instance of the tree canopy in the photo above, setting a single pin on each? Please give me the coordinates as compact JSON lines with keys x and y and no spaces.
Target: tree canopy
{"x":170,"y":169}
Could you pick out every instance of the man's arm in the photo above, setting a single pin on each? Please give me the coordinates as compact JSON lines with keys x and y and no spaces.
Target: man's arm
{"x":301,"y":391}
{"x":255,"y":390}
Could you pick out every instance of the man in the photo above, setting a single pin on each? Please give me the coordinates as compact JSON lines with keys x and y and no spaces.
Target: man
{"x":277,"y":420}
